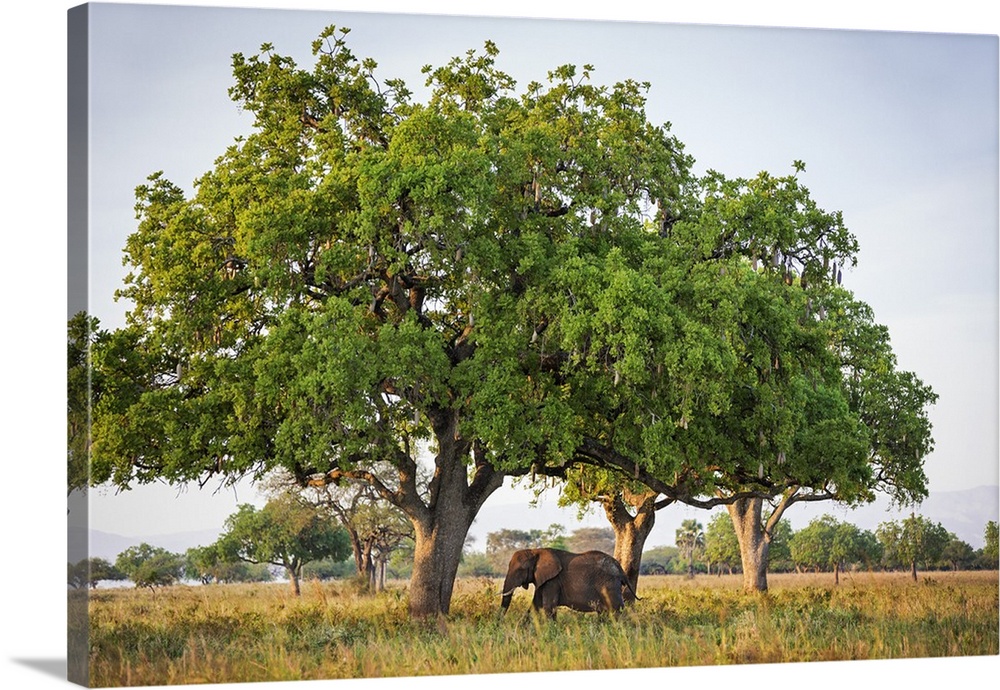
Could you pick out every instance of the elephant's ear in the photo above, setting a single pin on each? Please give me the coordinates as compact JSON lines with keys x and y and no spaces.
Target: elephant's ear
{"x":547,"y":567}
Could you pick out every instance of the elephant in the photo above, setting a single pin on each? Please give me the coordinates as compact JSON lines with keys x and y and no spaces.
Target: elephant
{"x":590,"y":581}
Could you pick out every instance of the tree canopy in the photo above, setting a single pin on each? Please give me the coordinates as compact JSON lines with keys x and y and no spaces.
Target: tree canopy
{"x":150,"y":566}
{"x":828,"y":543}
{"x":990,"y":549}
{"x":286,"y":532}
{"x":90,"y":571}
{"x":912,"y":541}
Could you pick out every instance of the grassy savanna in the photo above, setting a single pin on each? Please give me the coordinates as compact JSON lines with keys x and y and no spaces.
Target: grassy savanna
{"x":232,"y":633}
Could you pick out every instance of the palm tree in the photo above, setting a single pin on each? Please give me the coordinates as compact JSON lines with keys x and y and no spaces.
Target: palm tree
{"x":690,"y":537}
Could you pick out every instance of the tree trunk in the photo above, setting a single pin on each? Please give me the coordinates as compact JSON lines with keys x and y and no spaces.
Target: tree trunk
{"x":441,"y":524}
{"x":370,"y":575}
{"x":754,"y":543}
{"x":631,"y":533}
{"x":436,"y":556}
{"x":359,"y":560}
{"x":913,"y":569}
{"x":293,"y":578}
{"x":836,"y":573}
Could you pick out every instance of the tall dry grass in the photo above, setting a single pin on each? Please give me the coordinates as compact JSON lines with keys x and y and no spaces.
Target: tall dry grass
{"x":233,"y":633}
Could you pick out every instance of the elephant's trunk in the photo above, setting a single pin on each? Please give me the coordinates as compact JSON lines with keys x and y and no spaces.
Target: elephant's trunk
{"x":509,"y":585}
{"x":517,"y":576}
{"x":505,"y":598}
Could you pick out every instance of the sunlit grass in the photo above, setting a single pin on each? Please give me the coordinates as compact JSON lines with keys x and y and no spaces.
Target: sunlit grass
{"x":234,"y":633}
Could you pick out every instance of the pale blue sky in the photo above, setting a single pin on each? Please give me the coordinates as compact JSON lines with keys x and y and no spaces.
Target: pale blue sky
{"x":897,"y":130}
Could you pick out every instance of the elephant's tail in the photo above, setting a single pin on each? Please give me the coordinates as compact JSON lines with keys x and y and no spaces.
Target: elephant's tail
{"x":628,"y":585}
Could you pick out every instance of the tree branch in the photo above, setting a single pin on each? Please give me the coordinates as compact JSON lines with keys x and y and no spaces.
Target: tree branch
{"x":594,"y":453}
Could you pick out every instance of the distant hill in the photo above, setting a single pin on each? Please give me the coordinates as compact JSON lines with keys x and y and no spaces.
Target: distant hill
{"x":107,"y":545}
{"x":965,"y":513}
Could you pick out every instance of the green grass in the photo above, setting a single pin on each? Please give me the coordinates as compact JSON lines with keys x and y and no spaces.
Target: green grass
{"x":235,"y":633}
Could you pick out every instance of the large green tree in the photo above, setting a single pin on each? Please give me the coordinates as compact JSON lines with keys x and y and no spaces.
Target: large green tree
{"x":818,"y":409}
{"x":728,"y":390}
{"x":364,"y":278}
{"x":861,"y":427}
{"x":498,"y":281}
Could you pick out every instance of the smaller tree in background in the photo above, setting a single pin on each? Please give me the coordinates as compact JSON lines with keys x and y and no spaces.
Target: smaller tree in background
{"x":592,"y":539}
{"x":89,"y":571}
{"x":374,"y":525}
{"x":203,"y":563}
{"x":287,"y":532}
{"x":381,"y":543}
{"x":659,"y":560}
{"x":721,"y":545}
{"x":207,"y":564}
{"x":477,"y":564}
{"x":150,"y":566}
{"x":828,"y":544}
{"x":77,"y":574}
{"x":500,"y":545}
{"x":690,"y":540}
{"x":991,"y":551}
{"x":845,"y":548}
{"x":869,"y":550}
{"x":555,"y":537}
{"x":911,"y":542}
{"x":811,"y":545}
{"x":780,"y":551}
{"x":959,"y":554}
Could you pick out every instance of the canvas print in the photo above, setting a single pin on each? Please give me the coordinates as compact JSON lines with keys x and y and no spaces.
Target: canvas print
{"x":406,"y":345}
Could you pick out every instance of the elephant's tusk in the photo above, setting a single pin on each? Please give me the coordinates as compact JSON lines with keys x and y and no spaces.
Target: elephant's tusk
{"x":508,"y":593}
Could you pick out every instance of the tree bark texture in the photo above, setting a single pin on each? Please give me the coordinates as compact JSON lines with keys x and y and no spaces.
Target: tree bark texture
{"x":442,"y":523}
{"x":630,"y":534}
{"x":754,"y":542}
{"x":293,"y":578}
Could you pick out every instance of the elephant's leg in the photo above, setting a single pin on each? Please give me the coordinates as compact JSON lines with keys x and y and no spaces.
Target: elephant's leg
{"x":547,"y":599}
{"x":536,"y":601}
{"x":611,"y":599}
{"x":617,"y":601}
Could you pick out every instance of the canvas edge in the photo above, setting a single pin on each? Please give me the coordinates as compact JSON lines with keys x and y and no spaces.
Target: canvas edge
{"x":77,"y":300}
